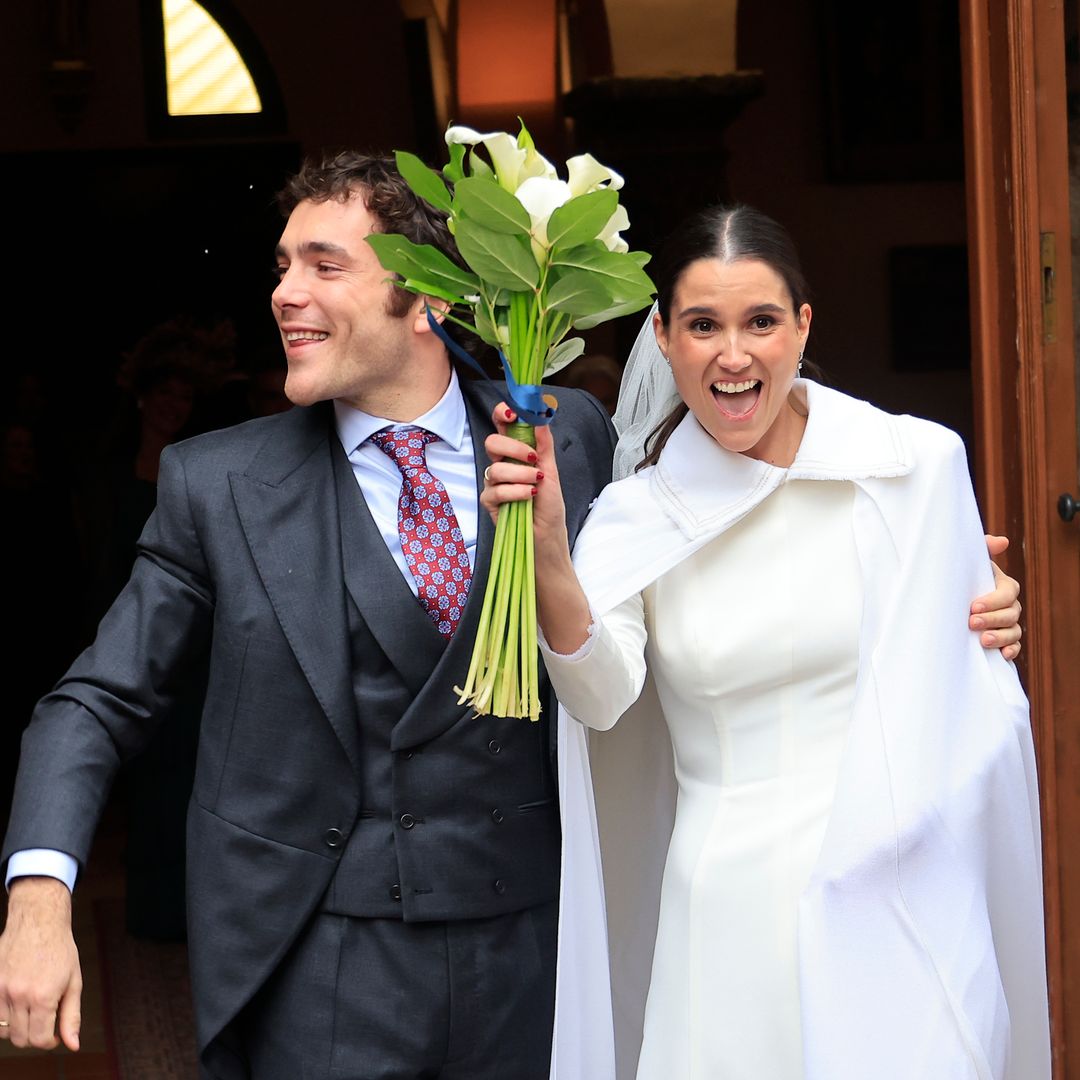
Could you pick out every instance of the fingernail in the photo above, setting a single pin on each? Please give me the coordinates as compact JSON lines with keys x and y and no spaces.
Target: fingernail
{"x":539,"y":477}
{"x":532,"y":459}
{"x":989,"y":639}
{"x":509,"y":414}
{"x":978,"y":609}
{"x":535,"y":490}
{"x":977,"y":623}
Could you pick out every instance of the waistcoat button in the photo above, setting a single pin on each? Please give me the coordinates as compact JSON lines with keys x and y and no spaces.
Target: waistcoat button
{"x":395,"y":892}
{"x":499,"y":886}
{"x":497,"y":816}
{"x":333,"y":838}
{"x":407,"y":821}
{"x":495,"y":746}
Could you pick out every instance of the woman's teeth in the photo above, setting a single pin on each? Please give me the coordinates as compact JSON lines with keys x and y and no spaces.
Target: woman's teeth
{"x":735,"y":387}
{"x":306,"y":335}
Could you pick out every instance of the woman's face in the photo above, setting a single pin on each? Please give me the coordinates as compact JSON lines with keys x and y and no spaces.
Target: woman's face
{"x":734,"y":340}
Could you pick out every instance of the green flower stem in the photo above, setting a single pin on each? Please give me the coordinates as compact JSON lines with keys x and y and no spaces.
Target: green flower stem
{"x":503,"y":676}
{"x":530,"y":705}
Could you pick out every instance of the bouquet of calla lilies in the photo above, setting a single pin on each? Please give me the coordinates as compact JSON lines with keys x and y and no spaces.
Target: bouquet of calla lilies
{"x":545,"y":256}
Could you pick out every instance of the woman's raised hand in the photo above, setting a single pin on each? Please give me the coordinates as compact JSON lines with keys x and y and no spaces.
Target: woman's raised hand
{"x":518,"y":472}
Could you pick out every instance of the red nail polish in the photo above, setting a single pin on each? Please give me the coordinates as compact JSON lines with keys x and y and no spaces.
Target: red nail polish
{"x":509,"y":414}
{"x":535,"y":490}
{"x":532,"y":458}
{"x":539,"y":477}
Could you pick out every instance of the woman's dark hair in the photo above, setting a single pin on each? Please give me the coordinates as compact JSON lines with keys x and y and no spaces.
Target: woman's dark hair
{"x":727,"y":233}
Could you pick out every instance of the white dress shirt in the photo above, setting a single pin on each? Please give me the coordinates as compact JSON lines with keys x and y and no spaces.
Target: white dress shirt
{"x":450,"y":458}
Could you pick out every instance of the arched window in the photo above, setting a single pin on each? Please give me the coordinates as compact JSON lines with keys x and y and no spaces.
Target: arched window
{"x":206,"y":73}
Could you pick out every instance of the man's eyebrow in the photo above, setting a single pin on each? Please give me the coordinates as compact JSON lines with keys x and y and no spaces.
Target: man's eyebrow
{"x":314,"y":247}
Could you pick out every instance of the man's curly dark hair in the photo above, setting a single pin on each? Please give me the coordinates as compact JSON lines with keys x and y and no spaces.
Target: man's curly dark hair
{"x":387,"y":198}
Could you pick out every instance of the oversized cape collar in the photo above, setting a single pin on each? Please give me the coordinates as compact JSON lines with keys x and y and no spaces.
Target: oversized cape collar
{"x":701,"y":489}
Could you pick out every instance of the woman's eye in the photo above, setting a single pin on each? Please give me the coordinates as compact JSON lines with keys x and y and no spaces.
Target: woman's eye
{"x":701,"y":326}
{"x":278,"y":271}
{"x":762,"y":322}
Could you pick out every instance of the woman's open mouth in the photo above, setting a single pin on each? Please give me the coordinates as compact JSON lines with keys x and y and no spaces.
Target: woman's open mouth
{"x":737,"y":400}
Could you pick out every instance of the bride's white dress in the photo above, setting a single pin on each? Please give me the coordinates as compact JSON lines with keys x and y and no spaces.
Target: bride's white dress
{"x":915,"y":947}
{"x":753,"y":645}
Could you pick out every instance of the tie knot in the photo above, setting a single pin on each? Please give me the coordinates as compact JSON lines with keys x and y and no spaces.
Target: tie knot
{"x":405,"y":446}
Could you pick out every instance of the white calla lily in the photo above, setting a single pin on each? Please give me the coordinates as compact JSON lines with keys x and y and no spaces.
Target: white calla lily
{"x":458,"y":133}
{"x":610,"y":233}
{"x":536,"y":165}
{"x":541,"y":197}
{"x":587,"y":174}
{"x":513,"y":164}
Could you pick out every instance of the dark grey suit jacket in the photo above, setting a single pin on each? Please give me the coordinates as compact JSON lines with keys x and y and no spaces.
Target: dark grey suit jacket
{"x":242,"y":560}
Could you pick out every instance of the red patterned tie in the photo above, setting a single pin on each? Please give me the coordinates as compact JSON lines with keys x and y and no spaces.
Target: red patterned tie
{"x":428,"y":528}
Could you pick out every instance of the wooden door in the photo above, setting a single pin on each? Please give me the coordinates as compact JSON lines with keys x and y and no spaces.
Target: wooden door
{"x":1025,"y":384}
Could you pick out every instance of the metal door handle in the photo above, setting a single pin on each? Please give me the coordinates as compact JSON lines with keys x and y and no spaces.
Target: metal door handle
{"x":1067,"y":507}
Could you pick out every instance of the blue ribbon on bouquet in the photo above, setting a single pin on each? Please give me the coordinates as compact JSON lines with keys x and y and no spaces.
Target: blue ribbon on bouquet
{"x":526,"y":398}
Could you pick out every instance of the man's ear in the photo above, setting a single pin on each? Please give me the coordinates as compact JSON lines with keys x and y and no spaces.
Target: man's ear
{"x":439,"y":308}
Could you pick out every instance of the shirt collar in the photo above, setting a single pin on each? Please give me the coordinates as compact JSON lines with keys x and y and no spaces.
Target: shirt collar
{"x":446,"y":418}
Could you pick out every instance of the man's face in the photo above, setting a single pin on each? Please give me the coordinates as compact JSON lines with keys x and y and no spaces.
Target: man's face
{"x":331,"y":308}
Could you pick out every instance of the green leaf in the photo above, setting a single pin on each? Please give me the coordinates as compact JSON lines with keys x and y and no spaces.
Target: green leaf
{"x":564,"y":353}
{"x":425,"y":183}
{"x":478,"y":166}
{"x":425,"y":288}
{"x":619,"y":272}
{"x":486,"y":329}
{"x":454,"y":169}
{"x":485,"y":202}
{"x":642,"y":258}
{"x":587,"y":322}
{"x":423,"y":262}
{"x":578,"y":293}
{"x":524,"y":139}
{"x":503,"y":261}
{"x":581,"y":219}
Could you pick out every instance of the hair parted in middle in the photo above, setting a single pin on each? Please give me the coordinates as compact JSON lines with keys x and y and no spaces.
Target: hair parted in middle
{"x":730,"y":234}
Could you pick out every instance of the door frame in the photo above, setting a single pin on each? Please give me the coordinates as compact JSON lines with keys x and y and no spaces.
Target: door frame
{"x":1025,"y":389}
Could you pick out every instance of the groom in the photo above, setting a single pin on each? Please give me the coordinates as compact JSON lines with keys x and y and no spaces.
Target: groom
{"x":373,"y":874}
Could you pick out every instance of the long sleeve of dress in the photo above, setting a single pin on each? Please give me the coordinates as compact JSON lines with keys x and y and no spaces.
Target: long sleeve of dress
{"x":600,"y":681}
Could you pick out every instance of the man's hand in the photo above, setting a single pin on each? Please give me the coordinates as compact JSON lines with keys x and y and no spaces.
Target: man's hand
{"x":997,"y":614}
{"x":40,"y":977}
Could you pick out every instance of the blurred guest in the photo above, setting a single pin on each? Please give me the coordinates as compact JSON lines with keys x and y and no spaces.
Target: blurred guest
{"x":164,"y":378}
{"x":599,"y":375}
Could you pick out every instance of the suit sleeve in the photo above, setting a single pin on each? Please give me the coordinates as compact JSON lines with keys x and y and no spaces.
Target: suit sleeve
{"x":107,"y":706}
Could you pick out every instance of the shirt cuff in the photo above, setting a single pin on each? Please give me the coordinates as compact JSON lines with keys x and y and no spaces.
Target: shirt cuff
{"x":43,"y":862}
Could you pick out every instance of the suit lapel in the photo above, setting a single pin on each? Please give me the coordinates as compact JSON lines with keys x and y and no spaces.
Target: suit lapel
{"x":287,"y":506}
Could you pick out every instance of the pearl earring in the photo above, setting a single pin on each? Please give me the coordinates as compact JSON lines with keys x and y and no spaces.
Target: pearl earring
{"x":798,"y":369}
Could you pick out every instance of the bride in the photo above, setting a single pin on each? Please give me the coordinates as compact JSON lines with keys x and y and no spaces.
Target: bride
{"x":819,"y":826}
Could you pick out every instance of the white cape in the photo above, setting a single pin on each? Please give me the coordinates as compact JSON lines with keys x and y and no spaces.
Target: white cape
{"x":921,"y":950}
